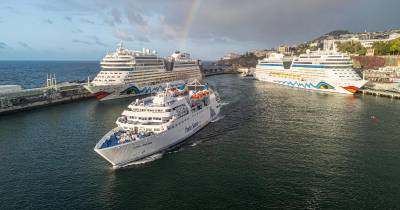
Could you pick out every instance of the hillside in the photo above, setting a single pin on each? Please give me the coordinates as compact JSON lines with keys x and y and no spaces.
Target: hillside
{"x":246,"y":60}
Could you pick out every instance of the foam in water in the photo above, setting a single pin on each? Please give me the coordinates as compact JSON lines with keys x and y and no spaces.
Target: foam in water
{"x":224,"y":103}
{"x":217,"y":119}
{"x":145,"y":160}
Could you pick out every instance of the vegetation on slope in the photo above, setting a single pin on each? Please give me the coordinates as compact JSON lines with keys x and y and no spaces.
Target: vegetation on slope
{"x":387,"y":48}
{"x":351,"y":47}
{"x":246,"y":60}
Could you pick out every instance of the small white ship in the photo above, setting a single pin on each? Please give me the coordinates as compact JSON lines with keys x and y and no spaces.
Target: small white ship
{"x":128,"y":73}
{"x":327,"y":71}
{"x":157,"y":123}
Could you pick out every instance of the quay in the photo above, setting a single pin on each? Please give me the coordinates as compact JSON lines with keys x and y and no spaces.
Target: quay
{"x":216,"y":69}
{"x":380,"y":93}
{"x":14,"y":98}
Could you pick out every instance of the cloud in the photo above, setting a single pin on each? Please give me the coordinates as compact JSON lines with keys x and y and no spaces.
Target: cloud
{"x":94,"y":40}
{"x":97,"y":41}
{"x":3,"y":45}
{"x":221,"y":25}
{"x":125,"y":36}
{"x":77,"y":31}
{"x":24,"y":45}
{"x":81,"y":42}
{"x":261,"y":22}
{"x":122,"y":35}
{"x":135,"y":17}
{"x":68,"y":18}
{"x":116,"y":15}
{"x":12,"y":9}
{"x":141,"y":38}
{"x":48,"y":21}
{"x":113,"y":17}
{"x":84,"y":20}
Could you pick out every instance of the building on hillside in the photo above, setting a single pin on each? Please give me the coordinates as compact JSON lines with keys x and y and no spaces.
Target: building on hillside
{"x":262,"y":53}
{"x":370,"y":52}
{"x":287,"y":50}
{"x":230,"y":56}
{"x":313,"y":44}
{"x":367,"y":40}
{"x":386,"y":74}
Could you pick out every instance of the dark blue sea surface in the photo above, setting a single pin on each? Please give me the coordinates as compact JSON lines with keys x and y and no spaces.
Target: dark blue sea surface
{"x":30,"y":74}
{"x":274,"y":147}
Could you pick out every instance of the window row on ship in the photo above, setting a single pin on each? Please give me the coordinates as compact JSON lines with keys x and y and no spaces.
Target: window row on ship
{"x":145,"y":77}
{"x":177,"y":123}
{"x":147,"y":118}
{"x":153,"y":110}
{"x":145,"y":68}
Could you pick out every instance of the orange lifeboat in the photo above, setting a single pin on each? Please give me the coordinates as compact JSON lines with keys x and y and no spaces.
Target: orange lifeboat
{"x":195,"y":96}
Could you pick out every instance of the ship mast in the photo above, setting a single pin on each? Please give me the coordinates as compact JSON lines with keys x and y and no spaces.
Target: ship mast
{"x":120,"y":46}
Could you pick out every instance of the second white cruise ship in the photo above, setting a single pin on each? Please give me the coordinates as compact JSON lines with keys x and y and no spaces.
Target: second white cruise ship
{"x":127,"y":73}
{"x":327,"y":71}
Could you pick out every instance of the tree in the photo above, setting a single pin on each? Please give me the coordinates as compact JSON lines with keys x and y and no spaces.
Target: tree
{"x":395,"y":46}
{"x":351,"y":47}
{"x":381,"y":48}
{"x":387,"y":48}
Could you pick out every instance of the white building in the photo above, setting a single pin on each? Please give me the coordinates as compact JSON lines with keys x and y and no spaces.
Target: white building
{"x":367,"y":43}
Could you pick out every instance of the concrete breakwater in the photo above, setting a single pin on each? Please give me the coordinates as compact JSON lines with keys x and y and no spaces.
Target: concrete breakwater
{"x":381,"y":93}
{"x":17,"y":99}
{"x":215,"y":69}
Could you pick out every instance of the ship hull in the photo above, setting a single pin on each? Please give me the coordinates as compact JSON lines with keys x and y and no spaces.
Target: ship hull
{"x":109,"y":92}
{"x":125,"y":154}
{"x":323,"y":85}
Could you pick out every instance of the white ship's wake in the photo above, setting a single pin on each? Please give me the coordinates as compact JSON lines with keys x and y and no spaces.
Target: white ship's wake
{"x":145,"y":160}
{"x":224,"y":103}
{"x":217,"y":119}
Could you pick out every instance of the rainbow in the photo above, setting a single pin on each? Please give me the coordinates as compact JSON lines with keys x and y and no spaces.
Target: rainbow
{"x":189,"y":22}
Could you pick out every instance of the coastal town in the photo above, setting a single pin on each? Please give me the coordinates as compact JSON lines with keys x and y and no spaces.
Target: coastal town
{"x":199,"y":104}
{"x":375,"y":55}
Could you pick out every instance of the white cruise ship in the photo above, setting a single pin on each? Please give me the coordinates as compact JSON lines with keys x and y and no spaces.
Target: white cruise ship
{"x":327,"y":71}
{"x":157,"y":123}
{"x":127,"y":73}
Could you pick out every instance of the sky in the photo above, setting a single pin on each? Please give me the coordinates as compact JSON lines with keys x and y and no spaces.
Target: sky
{"x":207,"y":29}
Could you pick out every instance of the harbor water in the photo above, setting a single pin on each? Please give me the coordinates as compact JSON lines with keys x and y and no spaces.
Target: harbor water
{"x":273,"y":147}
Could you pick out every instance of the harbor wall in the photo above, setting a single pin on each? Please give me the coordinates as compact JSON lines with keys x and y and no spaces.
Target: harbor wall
{"x":216,"y":69}
{"x":28,"y":99}
{"x":375,"y":62}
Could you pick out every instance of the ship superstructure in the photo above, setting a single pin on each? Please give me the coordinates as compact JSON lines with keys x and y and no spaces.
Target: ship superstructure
{"x":127,"y":73}
{"x":328,"y":71}
{"x":157,"y":123}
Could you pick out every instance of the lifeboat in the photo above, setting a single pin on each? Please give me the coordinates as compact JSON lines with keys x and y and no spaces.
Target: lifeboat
{"x":195,"y":96}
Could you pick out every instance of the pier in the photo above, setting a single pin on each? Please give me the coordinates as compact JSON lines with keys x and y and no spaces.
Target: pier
{"x":216,"y":69}
{"x":14,"y":98}
{"x":380,"y":93}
